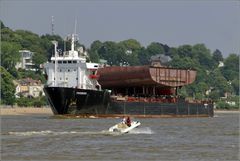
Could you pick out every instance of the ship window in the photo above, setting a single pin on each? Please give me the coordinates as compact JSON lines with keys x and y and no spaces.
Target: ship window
{"x":66,"y":78}
{"x":60,"y":78}
{"x":74,"y":70}
{"x":68,"y":70}
{"x":60,"y":70}
{"x":74,"y":61}
{"x":76,"y":78}
{"x":60,"y":62}
{"x":64,"y":62}
{"x":53,"y":61}
{"x":69,"y":62}
{"x":95,"y":65}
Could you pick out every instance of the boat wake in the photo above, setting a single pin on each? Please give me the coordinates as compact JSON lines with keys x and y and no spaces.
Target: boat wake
{"x":46,"y":132}
{"x":145,"y":130}
{"x":104,"y":132}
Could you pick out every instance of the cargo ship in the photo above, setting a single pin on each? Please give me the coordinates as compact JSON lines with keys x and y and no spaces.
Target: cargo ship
{"x":77,"y":87}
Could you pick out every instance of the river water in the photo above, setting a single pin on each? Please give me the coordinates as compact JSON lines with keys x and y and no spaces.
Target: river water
{"x":42,"y":137}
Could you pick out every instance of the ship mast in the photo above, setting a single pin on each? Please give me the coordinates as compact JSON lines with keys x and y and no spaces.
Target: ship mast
{"x":55,"y":62}
{"x":53,"y":25}
{"x":73,"y":37}
{"x":72,"y":43}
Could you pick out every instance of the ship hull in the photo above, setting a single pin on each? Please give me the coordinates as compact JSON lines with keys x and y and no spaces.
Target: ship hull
{"x":76,"y":101}
{"x":99,"y":103}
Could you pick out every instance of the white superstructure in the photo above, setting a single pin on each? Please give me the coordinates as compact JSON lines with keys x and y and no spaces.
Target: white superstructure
{"x":70,"y":69}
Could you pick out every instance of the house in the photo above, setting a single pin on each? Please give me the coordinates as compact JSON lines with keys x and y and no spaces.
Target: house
{"x":26,"y":60}
{"x":29,"y":88}
{"x":160,"y":60}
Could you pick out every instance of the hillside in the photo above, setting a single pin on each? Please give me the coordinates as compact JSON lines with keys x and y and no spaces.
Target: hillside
{"x":213,"y":80}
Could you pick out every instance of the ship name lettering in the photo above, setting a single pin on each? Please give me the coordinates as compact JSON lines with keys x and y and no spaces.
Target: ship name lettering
{"x":82,"y":93}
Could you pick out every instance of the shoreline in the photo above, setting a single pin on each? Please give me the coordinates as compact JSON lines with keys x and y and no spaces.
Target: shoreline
{"x":226,"y":111}
{"x":48,"y":111}
{"x":25,"y":111}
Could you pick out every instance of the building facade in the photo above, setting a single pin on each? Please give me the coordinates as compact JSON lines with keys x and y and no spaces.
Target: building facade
{"x":26,"y":60}
{"x":29,"y":88}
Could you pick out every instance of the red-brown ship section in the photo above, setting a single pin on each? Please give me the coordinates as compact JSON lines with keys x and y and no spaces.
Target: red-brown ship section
{"x":133,"y":76}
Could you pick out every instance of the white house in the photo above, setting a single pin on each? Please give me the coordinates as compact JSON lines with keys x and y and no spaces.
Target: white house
{"x":29,"y":88}
{"x":26,"y":60}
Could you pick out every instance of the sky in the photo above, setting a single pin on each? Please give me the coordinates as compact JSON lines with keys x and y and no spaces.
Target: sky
{"x":215,"y":23}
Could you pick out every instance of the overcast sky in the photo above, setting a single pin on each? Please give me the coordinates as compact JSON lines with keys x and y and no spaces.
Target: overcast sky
{"x":214,"y":23}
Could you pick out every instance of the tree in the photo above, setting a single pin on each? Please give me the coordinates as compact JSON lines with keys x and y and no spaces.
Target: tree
{"x":93,"y":55}
{"x":94,"y":49}
{"x":2,"y":25}
{"x":185,"y":51}
{"x":155,"y":48}
{"x":219,"y":82}
{"x":217,"y":56}
{"x":131,"y":44}
{"x":47,"y":45}
{"x":172,"y":52}
{"x":10,"y":56}
{"x":113,"y":53}
{"x":7,"y":34}
{"x":186,"y":63}
{"x":235,"y":85}
{"x":231,"y":67}
{"x":7,"y":87}
{"x":143,"y":57}
{"x":131,"y":49}
{"x":38,"y":59}
{"x":203,"y":55}
{"x":96,"y":45}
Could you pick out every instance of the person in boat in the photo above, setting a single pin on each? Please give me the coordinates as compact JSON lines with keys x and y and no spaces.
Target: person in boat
{"x":124,"y":120}
{"x":128,"y":121}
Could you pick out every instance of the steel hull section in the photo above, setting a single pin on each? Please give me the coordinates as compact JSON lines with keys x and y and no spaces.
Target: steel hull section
{"x":130,"y":76}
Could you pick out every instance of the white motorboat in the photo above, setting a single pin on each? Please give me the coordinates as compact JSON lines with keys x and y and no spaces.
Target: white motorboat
{"x":123,"y":128}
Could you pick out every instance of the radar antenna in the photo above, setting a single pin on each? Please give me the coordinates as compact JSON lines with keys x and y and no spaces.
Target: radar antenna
{"x":53,"y":25}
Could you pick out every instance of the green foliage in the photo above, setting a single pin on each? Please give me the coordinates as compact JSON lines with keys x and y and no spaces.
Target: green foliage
{"x":217,"y":56}
{"x":7,"y":87}
{"x":94,"y":51}
{"x":214,"y":95}
{"x":155,"y":48}
{"x":31,"y":102}
{"x":222,"y":105}
{"x":229,"y":103}
{"x":183,"y":92}
{"x":185,"y":51}
{"x":10,"y":56}
{"x":36,"y":75}
{"x":144,"y":58}
{"x":38,"y":59}
{"x":231,"y":67}
{"x":235,"y":85}
{"x":131,"y":44}
{"x":2,"y":26}
{"x":219,"y":82}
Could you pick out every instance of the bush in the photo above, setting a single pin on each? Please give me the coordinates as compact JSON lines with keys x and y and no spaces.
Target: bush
{"x":222,"y":105}
{"x":27,"y":102}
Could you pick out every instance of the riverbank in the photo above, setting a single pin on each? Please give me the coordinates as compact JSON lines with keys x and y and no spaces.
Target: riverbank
{"x":226,"y":111}
{"x":48,"y":111}
{"x":25,"y":111}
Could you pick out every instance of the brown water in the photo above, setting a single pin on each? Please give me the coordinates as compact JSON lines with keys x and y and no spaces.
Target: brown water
{"x":44,"y":138}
